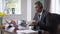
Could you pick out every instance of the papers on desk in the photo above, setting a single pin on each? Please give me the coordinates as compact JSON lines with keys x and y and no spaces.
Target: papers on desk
{"x":10,"y":29}
{"x":26,"y":31}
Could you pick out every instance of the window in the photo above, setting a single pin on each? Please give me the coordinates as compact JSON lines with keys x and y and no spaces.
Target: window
{"x":54,"y":8}
{"x":12,"y":6}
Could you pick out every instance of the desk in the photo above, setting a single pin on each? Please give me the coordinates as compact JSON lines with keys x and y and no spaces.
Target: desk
{"x":6,"y":32}
{"x":19,"y":32}
{"x":26,"y":32}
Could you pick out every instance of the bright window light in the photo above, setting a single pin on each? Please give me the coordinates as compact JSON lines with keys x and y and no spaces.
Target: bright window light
{"x":18,"y":7}
{"x":1,"y":6}
{"x":54,"y":8}
{"x":12,"y":7}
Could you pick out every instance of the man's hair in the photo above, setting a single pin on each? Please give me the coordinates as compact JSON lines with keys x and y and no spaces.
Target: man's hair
{"x":39,"y":4}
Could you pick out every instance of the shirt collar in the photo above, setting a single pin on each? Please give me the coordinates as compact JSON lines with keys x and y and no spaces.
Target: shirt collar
{"x":41,"y":12}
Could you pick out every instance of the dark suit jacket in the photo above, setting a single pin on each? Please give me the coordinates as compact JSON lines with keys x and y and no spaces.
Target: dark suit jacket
{"x":48,"y":22}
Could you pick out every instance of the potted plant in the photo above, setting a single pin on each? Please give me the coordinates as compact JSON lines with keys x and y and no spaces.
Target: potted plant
{"x":2,"y":14}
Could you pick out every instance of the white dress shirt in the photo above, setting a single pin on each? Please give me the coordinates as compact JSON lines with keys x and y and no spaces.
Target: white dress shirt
{"x":39,"y":18}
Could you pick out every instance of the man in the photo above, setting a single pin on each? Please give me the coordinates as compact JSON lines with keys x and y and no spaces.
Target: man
{"x":45,"y":21}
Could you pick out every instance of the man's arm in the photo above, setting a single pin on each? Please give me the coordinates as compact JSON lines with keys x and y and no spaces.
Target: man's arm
{"x":39,"y":24}
{"x":42,"y":26}
{"x":35,"y":17}
{"x":35,"y":24}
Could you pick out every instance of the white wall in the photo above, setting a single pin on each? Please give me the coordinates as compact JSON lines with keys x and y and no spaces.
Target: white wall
{"x":29,"y":2}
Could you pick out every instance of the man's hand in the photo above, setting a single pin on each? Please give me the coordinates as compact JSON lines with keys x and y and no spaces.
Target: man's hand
{"x":34,"y":22}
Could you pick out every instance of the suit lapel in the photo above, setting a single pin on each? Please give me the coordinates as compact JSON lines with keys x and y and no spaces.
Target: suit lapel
{"x":43,"y":15}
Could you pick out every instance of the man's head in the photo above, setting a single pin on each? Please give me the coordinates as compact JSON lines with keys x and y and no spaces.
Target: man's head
{"x":38,"y":6}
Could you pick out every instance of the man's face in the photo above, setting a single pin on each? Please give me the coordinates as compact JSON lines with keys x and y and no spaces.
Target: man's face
{"x":37,"y":8}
